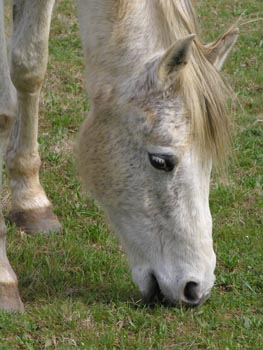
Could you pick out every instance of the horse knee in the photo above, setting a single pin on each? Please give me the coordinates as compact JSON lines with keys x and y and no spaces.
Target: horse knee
{"x":29,"y":43}
{"x":8,"y":112}
{"x":28,"y":69}
{"x":6,"y":123}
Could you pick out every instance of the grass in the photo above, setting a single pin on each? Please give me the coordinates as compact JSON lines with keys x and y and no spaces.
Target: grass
{"x":76,"y":285}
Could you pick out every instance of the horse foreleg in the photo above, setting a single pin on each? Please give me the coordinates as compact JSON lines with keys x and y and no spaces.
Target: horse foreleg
{"x":31,"y":208}
{"x":9,"y":296}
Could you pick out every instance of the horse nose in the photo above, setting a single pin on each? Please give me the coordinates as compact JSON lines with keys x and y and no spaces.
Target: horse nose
{"x":192,"y":293}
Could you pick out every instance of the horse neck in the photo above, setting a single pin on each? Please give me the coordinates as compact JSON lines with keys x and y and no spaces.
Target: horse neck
{"x":119,"y":37}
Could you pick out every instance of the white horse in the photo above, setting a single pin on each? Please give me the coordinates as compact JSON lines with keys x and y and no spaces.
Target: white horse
{"x":157,"y":121}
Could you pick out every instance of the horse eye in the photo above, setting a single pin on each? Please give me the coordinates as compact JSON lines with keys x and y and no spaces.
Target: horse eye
{"x":162,"y":162}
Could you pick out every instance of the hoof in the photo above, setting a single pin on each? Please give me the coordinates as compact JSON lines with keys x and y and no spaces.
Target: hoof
{"x":10,"y":299}
{"x":36,"y":220}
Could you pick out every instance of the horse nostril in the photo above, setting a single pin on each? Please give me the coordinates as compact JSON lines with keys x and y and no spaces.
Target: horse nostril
{"x":191,"y":290}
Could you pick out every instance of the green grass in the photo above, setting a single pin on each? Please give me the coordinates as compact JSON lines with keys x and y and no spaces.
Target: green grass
{"x":76,"y":285}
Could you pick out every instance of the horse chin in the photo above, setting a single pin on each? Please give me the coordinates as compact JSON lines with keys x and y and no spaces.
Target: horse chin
{"x":154,"y":295}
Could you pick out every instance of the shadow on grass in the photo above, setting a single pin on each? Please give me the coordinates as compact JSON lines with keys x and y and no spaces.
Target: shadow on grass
{"x":53,"y":277}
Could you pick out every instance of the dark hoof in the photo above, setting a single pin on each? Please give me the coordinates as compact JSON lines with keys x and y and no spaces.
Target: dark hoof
{"x":36,"y":220}
{"x":10,"y":299}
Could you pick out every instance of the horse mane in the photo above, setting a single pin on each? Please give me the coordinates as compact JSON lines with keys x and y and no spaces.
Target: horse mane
{"x":205,"y":92}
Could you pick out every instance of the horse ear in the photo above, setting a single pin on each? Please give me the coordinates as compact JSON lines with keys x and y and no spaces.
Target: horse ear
{"x":175,"y":59}
{"x":218,"y":51}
